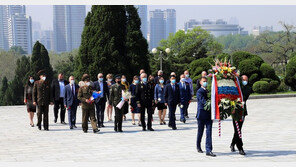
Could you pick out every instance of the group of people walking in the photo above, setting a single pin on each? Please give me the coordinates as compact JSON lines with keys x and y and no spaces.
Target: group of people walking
{"x":147,"y":94}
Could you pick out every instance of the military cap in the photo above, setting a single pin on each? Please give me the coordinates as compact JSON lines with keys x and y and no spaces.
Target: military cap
{"x":85,"y":77}
{"x":41,"y":72}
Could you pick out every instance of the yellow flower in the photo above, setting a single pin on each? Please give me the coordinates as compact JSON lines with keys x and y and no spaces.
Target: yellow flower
{"x":229,"y":70}
{"x":232,"y":103}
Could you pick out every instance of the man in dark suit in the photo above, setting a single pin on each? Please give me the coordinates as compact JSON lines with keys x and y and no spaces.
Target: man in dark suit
{"x":172,"y":99}
{"x":58,"y":91}
{"x":246,"y":91}
{"x":42,"y":98}
{"x":71,"y":102}
{"x":204,"y":119}
{"x":144,"y":99}
{"x":203,"y":74}
{"x":100,"y":102}
{"x":185,"y":97}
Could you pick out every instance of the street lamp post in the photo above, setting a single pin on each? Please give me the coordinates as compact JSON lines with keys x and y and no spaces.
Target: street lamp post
{"x":167,"y":50}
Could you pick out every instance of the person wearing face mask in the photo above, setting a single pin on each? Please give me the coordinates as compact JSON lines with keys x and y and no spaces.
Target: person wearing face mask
{"x":204,"y":119}
{"x":71,"y":101}
{"x":172,"y":99}
{"x":159,"y":74}
{"x":28,"y":92}
{"x":173,"y":74}
{"x":134,"y":108}
{"x":203,"y":74}
{"x":58,"y":91}
{"x":246,"y":91}
{"x":88,"y":107}
{"x":185,"y":96}
{"x":115,"y":99}
{"x":101,"y":86}
{"x":190,"y":82}
{"x":159,"y":100}
{"x":144,"y":99}
{"x":125,"y":88}
{"x":42,"y":98}
{"x":110,"y":82}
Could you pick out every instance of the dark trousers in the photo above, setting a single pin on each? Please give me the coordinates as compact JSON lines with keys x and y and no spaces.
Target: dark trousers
{"x":42,"y":110}
{"x":236,"y":140}
{"x":88,"y":112}
{"x":172,"y":115}
{"x":201,"y":126}
{"x":186,"y":109}
{"x":100,"y":109}
{"x":183,"y":111}
{"x":118,"y":118}
{"x":149,"y":113}
{"x":57,"y":105}
{"x":72,"y":115}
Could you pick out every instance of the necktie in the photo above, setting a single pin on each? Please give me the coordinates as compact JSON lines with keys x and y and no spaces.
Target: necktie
{"x":173,"y":87}
{"x":73,"y":90}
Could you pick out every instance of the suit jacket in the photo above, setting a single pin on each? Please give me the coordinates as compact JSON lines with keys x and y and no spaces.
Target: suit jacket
{"x":185,"y":94}
{"x":145,"y":94}
{"x":105,"y":91}
{"x":115,"y":94}
{"x":41,"y":93}
{"x":69,"y":99}
{"x":246,"y":91}
{"x":198,"y":85}
{"x":202,"y":98}
{"x":172,"y":97}
{"x":55,"y":89}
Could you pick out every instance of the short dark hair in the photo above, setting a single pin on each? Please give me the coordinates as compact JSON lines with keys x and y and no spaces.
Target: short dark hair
{"x":204,"y":78}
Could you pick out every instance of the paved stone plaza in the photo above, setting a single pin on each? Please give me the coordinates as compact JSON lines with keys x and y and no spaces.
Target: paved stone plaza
{"x":269,"y":134}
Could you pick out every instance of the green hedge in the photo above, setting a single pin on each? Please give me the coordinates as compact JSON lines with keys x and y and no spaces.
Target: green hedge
{"x":261,"y":87}
{"x":247,"y":67}
{"x":290,"y":78}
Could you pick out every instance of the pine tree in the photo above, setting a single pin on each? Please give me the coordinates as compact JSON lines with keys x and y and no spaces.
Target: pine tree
{"x":3,"y":90}
{"x":40,"y":61}
{"x":103,"y":42}
{"x":136,"y":44}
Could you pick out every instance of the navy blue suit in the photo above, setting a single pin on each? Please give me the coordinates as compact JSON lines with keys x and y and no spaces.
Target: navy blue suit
{"x":203,"y":119}
{"x":172,"y":98}
{"x":71,"y":102}
{"x":101,"y":102}
{"x":185,"y":97}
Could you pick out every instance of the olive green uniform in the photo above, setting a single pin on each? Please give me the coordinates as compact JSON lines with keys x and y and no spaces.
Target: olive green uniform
{"x":41,"y":95}
{"x":115,"y":98}
{"x":88,"y":109}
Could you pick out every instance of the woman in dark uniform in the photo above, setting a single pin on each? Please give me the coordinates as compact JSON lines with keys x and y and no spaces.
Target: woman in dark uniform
{"x":133,"y":103}
{"x":28,"y":92}
{"x":125,"y":88}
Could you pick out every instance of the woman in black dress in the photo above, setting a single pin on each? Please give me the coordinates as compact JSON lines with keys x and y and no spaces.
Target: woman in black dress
{"x":134,"y":108}
{"x":28,"y":92}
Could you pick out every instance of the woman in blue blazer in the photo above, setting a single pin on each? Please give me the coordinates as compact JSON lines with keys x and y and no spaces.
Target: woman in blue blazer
{"x":159,"y":100}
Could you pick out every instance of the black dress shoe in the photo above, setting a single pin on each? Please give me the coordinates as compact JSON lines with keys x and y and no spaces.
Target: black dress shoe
{"x":199,"y":150}
{"x":74,"y":126}
{"x":96,"y":131}
{"x":144,"y":129}
{"x":115,"y":129}
{"x":170,"y":126}
{"x":39,"y":127}
{"x":99,"y":126}
{"x":102,"y":126}
{"x":55,"y":120}
{"x":174,"y":128}
{"x":232,"y":149}
{"x":63,"y":122}
{"x":46,"y":129}
{"x":242,"y":152}
{"x":85,"y":131}
{"x":120,"y":130}
{"x":210,"y":154}
{"x":71,"y":127}
{"x":150,"y":129}
{"x":186,"y":116}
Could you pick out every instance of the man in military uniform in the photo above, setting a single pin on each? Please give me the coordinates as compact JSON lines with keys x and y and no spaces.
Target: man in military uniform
{"x":115,"y":98}
{"x":246,"y":91}
{"x":144,"y":98}
{"x":88,"y":107}
{"x":41,"y":98}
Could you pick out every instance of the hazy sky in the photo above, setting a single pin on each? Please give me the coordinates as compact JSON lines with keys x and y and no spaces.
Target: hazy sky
{"x":248,"y":16}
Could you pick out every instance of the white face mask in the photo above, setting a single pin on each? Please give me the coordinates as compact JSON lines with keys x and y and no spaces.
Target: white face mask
{"x":87,"y":83}
{"x":72,"y":82}
{"x":123,"y":80}
{"x":43,"y":78}
{"x":109,"y":80}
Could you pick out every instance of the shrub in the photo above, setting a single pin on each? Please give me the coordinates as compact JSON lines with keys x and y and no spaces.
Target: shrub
{"x":199,"y":65}
{"x":267,"y":71}
{"x":261,"y":87}
{"x":290,"y":78}
{"x":247,"y":67}
{"x":273,"y":84}
{"x":266,"y":79}
{"x":240,"y":56}
{"x":258,"y":61}
{"x":253,"y":78}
